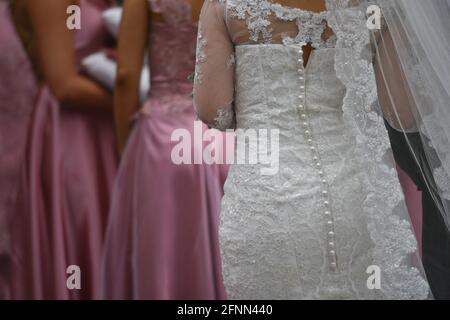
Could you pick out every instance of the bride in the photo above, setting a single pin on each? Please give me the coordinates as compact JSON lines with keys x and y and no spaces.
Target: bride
{"x":333,"y":217}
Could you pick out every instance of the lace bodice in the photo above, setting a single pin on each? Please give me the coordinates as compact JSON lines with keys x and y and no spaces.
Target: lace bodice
{"x":225,"y":24}
{"x":270,"y":22}
{"x":302,"y":233}
{"x":172,"y":54}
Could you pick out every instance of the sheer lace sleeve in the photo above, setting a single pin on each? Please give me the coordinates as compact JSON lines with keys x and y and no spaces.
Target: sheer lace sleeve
{"x":214,"y":75}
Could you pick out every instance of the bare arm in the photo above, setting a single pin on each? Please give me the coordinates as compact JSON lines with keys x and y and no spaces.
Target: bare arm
{"x":393,"y":91}
{"x":131,"y":51}
{"x":56,"y":57}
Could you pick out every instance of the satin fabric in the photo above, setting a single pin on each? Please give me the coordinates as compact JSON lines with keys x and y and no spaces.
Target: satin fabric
{"x":162,"y":240}
{"x":16,"y":78}
{"x":65,"y":188}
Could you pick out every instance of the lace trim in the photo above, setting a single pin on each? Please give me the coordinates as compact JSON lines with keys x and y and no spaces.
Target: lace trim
{"x":442,"y":181}
{"x":200,"y":55}
{"x":225,"y":119}
{"x":311,"y":25}
{"x":391,"y":234}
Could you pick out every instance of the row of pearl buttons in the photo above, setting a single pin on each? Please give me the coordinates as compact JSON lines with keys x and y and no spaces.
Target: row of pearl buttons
{"x":331,"y":243}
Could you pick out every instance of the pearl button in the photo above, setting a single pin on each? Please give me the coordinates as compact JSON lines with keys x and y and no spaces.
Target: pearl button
{"x":316,"y":161}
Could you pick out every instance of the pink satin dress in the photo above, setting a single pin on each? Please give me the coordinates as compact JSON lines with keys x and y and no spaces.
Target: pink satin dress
{"x":162,"y":240}
{"x":65,"y":188}
{"x":16,"y":78}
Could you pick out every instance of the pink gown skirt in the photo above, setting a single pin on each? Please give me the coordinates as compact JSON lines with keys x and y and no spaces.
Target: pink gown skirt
{"x":17,"y":92}
{"x":63,"y":202}
{"x":162,"y":240}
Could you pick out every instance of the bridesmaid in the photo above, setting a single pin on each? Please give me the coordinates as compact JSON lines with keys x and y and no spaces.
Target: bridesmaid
{"x":162,"y":240}
{"x":71,"y":156}
{"x":16,"y":78}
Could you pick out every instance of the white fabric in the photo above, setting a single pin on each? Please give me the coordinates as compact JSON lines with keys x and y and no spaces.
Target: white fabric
{"x":104,"y":70}
{"x":112,"y":19}
{"x":275,"y":231}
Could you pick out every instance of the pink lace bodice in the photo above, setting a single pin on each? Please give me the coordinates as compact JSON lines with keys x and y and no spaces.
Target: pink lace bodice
{"x":172,"y":47}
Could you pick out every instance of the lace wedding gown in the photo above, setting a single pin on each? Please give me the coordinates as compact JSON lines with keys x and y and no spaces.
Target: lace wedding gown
{"x":312,"y":230}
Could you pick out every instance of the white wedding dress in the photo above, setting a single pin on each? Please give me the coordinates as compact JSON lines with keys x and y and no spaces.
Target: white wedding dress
{"x":312,"y":230}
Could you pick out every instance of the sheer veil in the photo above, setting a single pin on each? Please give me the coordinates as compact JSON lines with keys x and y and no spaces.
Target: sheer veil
{"x":422,"y":43}
{"x":411,"y":53}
